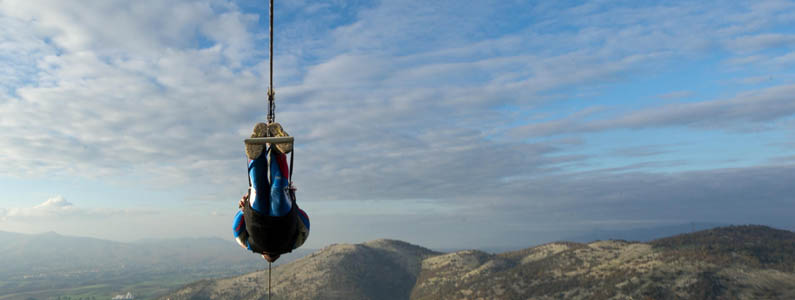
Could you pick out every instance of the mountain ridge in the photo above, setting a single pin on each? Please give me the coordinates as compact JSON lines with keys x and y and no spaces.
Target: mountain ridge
{"x":676,"y":267}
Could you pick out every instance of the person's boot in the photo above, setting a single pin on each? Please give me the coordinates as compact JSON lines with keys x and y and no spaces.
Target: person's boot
{"x":276,"y":130}
{"x":254,"y":151}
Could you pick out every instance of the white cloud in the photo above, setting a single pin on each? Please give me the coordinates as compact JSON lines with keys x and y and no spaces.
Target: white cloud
{"x":54,"y":206}
{"x":750,"y":43}
{"x":675,"y":95}
{"x":55,"y":203}
{"x":401,"y":101}
{"x":761,"y":106}
{"x":122,"y":88}
{"x":58,"y":206}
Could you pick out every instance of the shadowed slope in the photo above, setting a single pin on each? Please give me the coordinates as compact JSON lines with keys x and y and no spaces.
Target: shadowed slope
{"x":739,"y":262}
{"x":381,"y":269}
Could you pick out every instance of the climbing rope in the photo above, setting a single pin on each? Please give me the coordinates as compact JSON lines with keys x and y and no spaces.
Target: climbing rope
{"x":271,"y":92}
{"x":269,"y":280}
{"x":271,"y":111}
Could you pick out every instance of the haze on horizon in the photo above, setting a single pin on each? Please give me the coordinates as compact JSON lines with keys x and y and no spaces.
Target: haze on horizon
{"x":444,"y":123}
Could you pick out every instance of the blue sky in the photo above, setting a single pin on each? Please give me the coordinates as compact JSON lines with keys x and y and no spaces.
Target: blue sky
{"x":444,"y":123}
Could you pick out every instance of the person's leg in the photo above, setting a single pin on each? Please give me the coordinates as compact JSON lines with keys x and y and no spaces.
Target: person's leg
{"x":280,"y":201}
{"x":270,"y":197}
{"x":258,"y":170}
{"x":259,"y":193}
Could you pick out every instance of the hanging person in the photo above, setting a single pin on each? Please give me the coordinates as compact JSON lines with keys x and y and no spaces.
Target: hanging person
{"x":269,"y":221}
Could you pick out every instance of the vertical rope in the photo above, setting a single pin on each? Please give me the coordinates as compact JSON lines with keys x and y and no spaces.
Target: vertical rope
{"x":271,"y":92}
{"x":269,"y":280}
{"x":271,"y":43}
{"x":271,"y":112}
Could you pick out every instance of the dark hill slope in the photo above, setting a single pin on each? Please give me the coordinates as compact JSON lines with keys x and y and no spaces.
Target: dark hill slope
{"x":756,"y":246}
{"x":739,"y":262}
{"x":381,"y":269}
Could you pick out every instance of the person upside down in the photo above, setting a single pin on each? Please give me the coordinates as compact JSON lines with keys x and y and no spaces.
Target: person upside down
{"x":269,"y":221}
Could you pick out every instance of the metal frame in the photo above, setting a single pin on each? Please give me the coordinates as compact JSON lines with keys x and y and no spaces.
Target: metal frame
{"x":270,"y":140}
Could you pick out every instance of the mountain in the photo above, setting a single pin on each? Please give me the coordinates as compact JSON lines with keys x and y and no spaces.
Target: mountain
{"x":380,"y":269}
{"x":51,"y":252}
{"x":49,"y":264}
{"x":735,"y":262}
{"x":741,"y":262}
{"x":642,"y":234}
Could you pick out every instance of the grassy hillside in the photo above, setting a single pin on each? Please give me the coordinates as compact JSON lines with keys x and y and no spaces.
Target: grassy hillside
{"x":736,"y":262}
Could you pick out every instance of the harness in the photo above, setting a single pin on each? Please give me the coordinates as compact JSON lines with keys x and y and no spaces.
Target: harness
{"x":271,"y":234}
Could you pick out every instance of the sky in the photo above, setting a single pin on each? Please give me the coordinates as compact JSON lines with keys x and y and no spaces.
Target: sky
{"x":449,"y":124}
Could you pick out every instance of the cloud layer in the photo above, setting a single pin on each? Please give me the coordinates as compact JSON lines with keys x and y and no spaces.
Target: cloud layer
{"x":750,"y":108}
{"x":58,"y":207}
{"x":478,"y":109}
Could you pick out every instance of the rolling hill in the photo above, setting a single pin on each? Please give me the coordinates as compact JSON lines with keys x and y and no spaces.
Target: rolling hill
{"x":735,"y":262}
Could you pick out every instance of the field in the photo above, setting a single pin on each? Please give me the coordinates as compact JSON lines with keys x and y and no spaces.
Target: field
{"x":143,"y":286}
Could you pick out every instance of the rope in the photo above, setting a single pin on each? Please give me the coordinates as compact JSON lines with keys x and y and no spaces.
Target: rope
{"x":271,"y":92}
{"x":271,"y":113}
{"x":290,"y":177}
{"x":269,"y":280}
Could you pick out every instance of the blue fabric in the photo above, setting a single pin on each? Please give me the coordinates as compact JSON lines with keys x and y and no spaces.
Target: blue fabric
{"x":270,"y":194}
{"x":258,"y":174}
{"x":239,"y":228}
{"x":304,"y":218}
{"x":280,"y":202}
{"x":240,"y":224}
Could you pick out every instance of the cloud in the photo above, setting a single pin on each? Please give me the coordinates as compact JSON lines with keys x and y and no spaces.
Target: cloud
{"x":55,"y":203}
{"x":764,"y":41}
{"x":544,"y":208}
{"x":59,"y":207}
{"x":18,"y":54}
{"x":759,"y":106}
{"x":99,"y":92}
{"x":387,"y":100}
{"x":754,"y":79}
{"x":675,"y":95}
{"x":54,"y":206}
{"x":640,"y":151}
{"x":759,"y":194}
{"x":427,"y":105}
{"x":784,"y":60}
{"x":755,"y":107}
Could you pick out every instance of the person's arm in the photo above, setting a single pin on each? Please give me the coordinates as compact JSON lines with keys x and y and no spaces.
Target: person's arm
{"x":242,"y":200}
{"x":241,"y":235}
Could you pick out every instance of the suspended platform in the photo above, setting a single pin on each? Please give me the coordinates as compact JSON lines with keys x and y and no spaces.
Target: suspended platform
{"x":270,"y":140}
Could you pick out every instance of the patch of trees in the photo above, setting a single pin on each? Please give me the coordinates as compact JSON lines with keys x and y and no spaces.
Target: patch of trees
{"x":751,"y":245}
